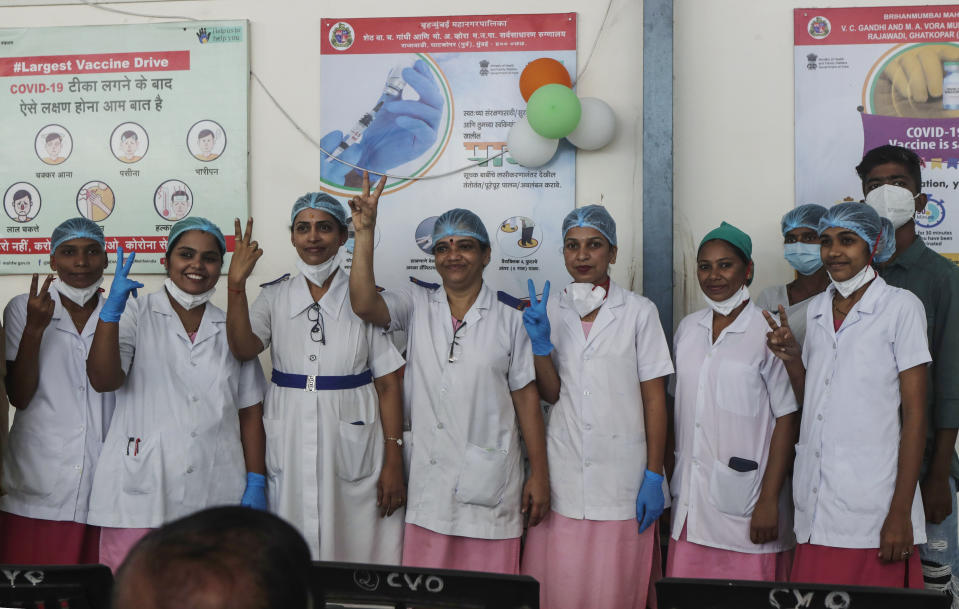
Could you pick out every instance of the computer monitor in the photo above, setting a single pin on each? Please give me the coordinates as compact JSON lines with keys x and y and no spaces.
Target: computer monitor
{"x":55,"y":587}
{"x":338,"y":585}
{"x":675,"y":593}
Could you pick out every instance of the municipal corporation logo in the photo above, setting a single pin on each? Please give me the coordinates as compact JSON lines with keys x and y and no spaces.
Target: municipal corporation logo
{"x":341,"y":36}
{"x":819,"y":27}
{"x":933,"y":215}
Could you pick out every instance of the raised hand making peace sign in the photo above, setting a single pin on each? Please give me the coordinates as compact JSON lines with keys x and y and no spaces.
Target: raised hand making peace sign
{"x":40,"y":305}
{"x":536,"y":322}
{"x":245,"y":254}
{"x":120,"y":289}
{"x":363,"y":206}
{"x":780,"y":339}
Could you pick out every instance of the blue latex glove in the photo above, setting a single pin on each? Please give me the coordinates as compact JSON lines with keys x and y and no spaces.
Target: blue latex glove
{"x":535,"y":320}
{"x":650,"y":502}
{"x":333,"y":171}
{"x":120,"y":289}
{"x":404,"y":129}
{"x":255,"y":494}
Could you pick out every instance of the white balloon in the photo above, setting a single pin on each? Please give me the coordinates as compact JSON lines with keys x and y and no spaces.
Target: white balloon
{"x":596,"y":127}
{"x":529,"y":148}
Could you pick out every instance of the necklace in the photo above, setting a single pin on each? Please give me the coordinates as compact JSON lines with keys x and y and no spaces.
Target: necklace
{"x":835,"y":307}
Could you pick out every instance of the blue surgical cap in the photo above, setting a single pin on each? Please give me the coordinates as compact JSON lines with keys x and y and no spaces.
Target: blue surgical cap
{"x":460,"y":223}
{"x":195,"y":223}
{"x":322,"y":202}
{"x":863,"y":220}
{"x":591,"y":216}
{"x":76,"y":228}
{"x":804,"y":216}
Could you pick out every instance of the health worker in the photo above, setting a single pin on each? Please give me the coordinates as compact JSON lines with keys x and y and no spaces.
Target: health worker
{"x":859,"y":514}
{"x":334,"y":411}
{"x":469,"y":387}
{"x":601,"y":359}
{"x":735,"y":424}
{"x":187,"y":433}
{"x":801,"y":245}
{"x":60,"y":420}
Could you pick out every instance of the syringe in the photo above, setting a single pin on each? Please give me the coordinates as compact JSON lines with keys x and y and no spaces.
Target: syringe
{"x":356,"y":134}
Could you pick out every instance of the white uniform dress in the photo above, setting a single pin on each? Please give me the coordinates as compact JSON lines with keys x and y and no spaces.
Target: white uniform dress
{"x":466,"y":470}
{"x":848,"y":452}
{"x":55,"y":443}
{"x":324,"y":449}
{"x":729,"y":394}
{"x":596,"y":436}
{"x":181,"y":401}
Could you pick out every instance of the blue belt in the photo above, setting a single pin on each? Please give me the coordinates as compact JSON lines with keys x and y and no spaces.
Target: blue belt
{"x":310,"y":382}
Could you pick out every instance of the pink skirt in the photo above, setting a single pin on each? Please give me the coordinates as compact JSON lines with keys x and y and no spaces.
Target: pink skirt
{"x":32,"y":541}
{"x":431,"y":550}
{"x":691,"y":560}
{"x":854,"y":567}
{"x":592,"y":563}
{"x":115,"y":544}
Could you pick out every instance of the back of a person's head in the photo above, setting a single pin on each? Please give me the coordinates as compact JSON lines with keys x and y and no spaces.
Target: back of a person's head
{"x":221,"y":558}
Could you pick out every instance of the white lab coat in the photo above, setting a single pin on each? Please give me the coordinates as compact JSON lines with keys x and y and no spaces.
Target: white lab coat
{"x":182,"y":400}
{"x":323,"y":467}
{"x":55,"y":442}
{"x":596,"y":436}
{"x":848,"y":451}
{"x":728,"y":396}
{"x":466,"y":470}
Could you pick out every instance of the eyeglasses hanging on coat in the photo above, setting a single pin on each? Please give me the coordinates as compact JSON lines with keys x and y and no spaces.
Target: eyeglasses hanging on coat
{"x":453,"y":343}
{"x":318,"y":331}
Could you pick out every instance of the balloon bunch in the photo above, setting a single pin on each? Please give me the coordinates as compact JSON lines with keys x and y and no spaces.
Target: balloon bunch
{"x":553,"y":111}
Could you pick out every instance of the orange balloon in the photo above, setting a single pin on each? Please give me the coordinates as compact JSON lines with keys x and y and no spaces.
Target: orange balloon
{"x":542,"y":71}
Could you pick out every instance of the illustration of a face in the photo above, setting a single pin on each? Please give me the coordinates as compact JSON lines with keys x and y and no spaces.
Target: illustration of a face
{"x":22,"y":205}
{"x":206,"y":144}
{"x":181,"y":204}
{"x":128,"y":146}
{"x":53,"y":147}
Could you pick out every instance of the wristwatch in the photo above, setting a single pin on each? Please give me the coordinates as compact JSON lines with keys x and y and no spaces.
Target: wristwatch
{"x":399,"y":441}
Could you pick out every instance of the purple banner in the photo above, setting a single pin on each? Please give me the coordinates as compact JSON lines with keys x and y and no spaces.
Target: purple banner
{"x":934,"y":140}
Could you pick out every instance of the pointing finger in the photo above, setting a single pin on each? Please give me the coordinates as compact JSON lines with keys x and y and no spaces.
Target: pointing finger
{"x":545,"y":293}
{"x":33,"y":285}
{"x":769,"y":320}
{"x":784,"y":321}
{"x":249,"y":230}
{"x":236,"y":229}
{"x":46,"y":285}
{"x":380,"y":186}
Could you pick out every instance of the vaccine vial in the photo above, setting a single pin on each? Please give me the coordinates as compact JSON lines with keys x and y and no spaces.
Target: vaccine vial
{"x":950,"y":86}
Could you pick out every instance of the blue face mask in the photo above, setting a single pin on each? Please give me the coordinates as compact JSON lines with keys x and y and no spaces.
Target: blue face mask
{"x":804,"y":257}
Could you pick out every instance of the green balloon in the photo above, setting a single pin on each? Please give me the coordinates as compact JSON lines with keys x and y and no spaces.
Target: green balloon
{"x":553,"y":111}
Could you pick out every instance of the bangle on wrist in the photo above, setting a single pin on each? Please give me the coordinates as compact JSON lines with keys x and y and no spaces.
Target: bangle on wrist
{"x":397,"y":441}
{"x":235,"y":291}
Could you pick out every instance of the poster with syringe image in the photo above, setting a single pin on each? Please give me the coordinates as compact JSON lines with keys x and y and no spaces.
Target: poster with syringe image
{"x":419,"y":98}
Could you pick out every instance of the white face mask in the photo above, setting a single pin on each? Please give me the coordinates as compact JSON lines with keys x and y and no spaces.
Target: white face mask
{"x":80,"y":296}
{"x":725,"y":307}
{"x":586,"y":297}
{"x":187,"y":301}
{"x":894,"y":203}
{"x":317,"y":274}
{"x":847,"y":287}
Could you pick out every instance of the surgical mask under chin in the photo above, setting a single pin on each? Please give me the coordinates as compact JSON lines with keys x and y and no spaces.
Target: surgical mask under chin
{"x":847,"y":287}
{"x":586,"y":297}
{"x":187,"y":301}
{"x":725,"y":307}
{"x":804,"y":257}
{"x":894,"y":203}
{"x":317,"y":274}
{"x":80,"y":296}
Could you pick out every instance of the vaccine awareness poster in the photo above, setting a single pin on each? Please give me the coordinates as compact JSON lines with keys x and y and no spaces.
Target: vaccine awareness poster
{"x":870,"y":76}
{"x":131,"y":126}
{"x":419,"y":98}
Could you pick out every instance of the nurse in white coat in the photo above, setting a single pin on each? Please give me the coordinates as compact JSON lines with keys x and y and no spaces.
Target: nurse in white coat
{"x":187,"y":433}
{"x":333,"y":413}
{"x":859,"y":511}
{"x":469,"y":387}
{"x":60,"y":421}
{"x":735,"y":424}
{"x":601,"y":357}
